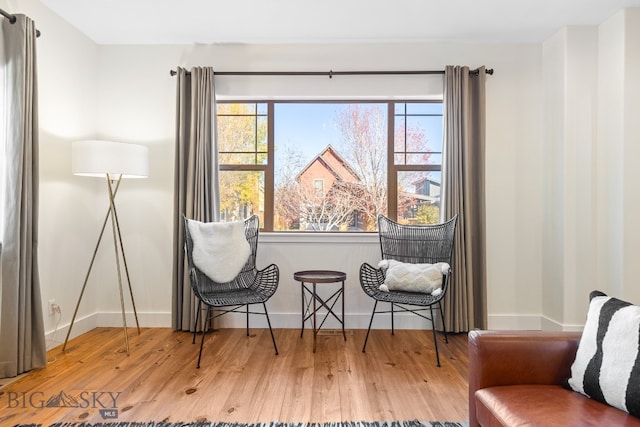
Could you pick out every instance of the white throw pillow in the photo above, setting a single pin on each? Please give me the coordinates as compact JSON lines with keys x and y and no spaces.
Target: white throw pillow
{"x":220,"y":249}
{"x":607,"y":363}
{"x":402,"y":276}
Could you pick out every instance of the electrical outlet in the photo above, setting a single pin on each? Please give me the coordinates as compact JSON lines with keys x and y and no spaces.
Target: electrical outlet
{"x":53,"y":307}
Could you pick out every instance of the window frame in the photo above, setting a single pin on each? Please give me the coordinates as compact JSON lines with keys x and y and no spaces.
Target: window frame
{"x":269,"y":168}
{"x":393,"y":170}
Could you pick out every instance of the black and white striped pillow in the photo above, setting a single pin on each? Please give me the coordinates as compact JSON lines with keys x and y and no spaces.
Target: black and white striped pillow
{"x":607,"y":364}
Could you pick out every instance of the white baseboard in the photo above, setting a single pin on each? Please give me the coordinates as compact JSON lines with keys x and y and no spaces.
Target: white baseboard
{"x":278,"y":320}
{"x":294,"y":321}
{"x":528,"y":322}
{"x":552,"y":325}
{"x":146,"y":320}
{"x":82,"y":325}
{"x":352,"y":321}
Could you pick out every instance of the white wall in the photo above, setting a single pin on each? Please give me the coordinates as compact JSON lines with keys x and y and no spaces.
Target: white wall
{"x":631,"y":139}
{"x":126,"y":93}
{"x":591,"y":233}
{"x":137,"y":105}
{"x":569,"y":249}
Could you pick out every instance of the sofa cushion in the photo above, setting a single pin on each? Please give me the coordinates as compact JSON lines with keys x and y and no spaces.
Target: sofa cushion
{"x":544,"y":405}
{"x":607,"y":363}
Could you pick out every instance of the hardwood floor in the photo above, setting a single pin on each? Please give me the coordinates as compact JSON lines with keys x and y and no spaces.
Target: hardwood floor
{"x":242,"y":380}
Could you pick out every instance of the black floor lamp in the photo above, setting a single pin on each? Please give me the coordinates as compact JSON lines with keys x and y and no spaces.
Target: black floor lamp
{"x":111,"y":161}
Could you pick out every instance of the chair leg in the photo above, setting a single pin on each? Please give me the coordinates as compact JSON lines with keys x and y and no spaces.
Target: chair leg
{"x":207,"y":326}
{"x":195,"y":326}
{"x":444,"y":326}
{"x":393,"y":329}
{"x":370,"y":323}
{"x":247,"y":319}
{"x":266,"y":313}
{"x":435,"y":337}
{"x":206,"y":322}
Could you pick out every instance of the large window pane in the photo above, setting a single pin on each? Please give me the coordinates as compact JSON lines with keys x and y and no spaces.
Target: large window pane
{"x":341,"y":145}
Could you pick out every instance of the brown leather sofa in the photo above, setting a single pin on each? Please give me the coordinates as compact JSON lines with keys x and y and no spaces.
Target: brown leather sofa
{"x":515,"y":380}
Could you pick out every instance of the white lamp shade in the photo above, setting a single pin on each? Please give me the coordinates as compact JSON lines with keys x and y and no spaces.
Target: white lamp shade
{"x":101,"y":158}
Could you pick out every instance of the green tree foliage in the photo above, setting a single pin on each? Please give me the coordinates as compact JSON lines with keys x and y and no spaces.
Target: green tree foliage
{"x":428,"y":214}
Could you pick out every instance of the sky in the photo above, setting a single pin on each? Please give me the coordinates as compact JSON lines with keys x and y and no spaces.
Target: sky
{"x":306,"y":127}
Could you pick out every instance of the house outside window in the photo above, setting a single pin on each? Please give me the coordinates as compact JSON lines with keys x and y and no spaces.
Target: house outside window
{"x":330,"y":166}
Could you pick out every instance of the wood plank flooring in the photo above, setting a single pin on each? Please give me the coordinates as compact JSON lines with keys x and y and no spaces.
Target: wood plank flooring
{"x":242,"y":380}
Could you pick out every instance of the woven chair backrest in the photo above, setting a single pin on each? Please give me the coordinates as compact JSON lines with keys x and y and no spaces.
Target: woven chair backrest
{"x":417,"y":244}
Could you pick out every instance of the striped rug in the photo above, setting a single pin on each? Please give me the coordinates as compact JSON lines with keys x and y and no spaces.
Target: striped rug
{"x":414,"y":423}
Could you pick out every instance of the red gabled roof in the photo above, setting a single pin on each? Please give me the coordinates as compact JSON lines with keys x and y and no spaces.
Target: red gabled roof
{"x":329,"y":150}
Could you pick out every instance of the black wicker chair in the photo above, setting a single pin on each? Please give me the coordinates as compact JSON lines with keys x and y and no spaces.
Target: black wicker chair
{"x":417,"y":244}
{"x":250,"y":286}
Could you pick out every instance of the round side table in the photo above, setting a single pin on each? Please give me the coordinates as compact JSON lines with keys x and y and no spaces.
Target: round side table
{"x":312,"y":302}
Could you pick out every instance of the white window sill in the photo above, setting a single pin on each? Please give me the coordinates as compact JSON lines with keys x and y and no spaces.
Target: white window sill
{"x":320,"y":238}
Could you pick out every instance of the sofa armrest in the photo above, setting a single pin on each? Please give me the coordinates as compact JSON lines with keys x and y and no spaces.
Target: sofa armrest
{"x":518,"y":357}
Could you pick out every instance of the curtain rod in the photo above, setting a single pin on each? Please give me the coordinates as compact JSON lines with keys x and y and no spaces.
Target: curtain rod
{"x":12,"y":19}
{"x":330,"y":74}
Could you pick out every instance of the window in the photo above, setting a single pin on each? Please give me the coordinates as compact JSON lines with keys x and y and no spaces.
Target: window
{"x":416,"y":170}
{"x":318,"y":187}
{"x":330,"y":166}
{"x":245,"y":152}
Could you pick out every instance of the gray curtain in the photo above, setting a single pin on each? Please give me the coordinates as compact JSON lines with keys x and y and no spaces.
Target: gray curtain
{"x":21,"y":319}
{"x":196,"y":194}
{"x":464,"y":194}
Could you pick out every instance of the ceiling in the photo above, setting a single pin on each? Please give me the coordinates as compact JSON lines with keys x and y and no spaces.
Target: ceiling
{"x":328,"y":21}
